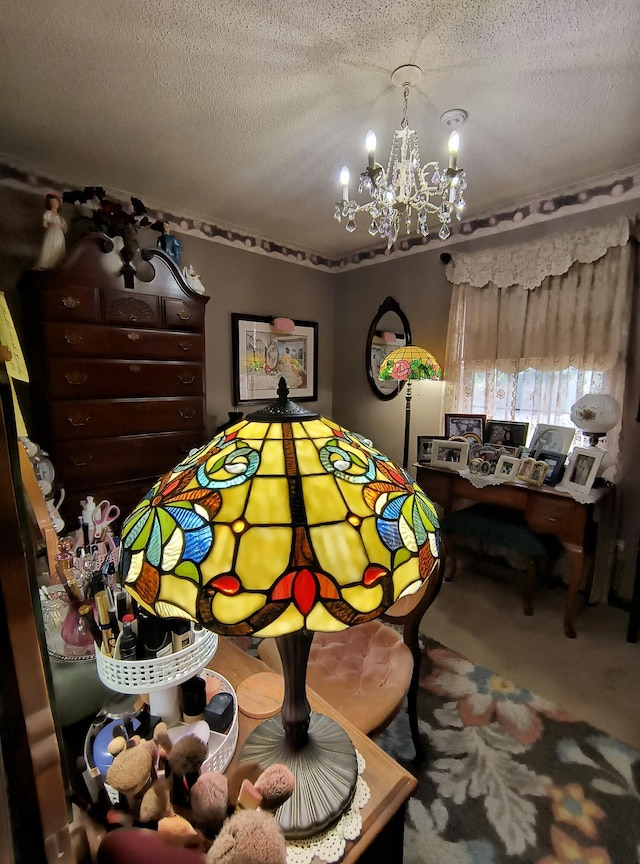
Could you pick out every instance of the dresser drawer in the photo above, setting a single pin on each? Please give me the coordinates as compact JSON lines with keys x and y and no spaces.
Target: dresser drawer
{"x":111,"y":379}
{"x":107,"y":460}
{"x":128,"y":307}
{"x":86,"y":340}
{"x":183,"y":315}
{"x":99,"y":418}
{"x":71,"y":303}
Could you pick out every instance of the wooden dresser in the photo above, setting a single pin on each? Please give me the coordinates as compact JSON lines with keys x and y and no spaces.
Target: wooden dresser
{"x":117,"y":371}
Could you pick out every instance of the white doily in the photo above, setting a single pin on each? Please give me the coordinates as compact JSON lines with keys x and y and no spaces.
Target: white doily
{"x":481,"y":480}
{"x":578,"y":495}
{"x":330,"y":845}
{"x":529,"y":264}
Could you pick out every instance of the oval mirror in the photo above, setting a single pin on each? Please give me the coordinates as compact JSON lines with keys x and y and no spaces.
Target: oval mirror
{"x":389,"y":330}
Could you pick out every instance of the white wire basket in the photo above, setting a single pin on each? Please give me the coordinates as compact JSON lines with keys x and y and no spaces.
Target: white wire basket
{"x":145,"y":676}
{"x":222,"y":747}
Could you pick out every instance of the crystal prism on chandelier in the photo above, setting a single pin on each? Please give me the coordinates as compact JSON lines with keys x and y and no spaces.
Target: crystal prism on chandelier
{"x":406,"y":188}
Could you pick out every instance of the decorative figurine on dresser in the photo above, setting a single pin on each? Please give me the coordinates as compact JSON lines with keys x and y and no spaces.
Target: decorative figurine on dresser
{"x":117,"y":370}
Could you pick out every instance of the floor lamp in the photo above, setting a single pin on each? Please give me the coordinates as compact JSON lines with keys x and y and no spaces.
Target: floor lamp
{"x":409,"y":363}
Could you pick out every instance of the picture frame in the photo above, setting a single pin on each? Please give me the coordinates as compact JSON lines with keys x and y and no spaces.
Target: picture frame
{"x":425,"y":444}
{"x":582,"y":469}
{"x":462,"y":424}
{"x":551,"y":439}
{"x":555,"y":461}
{"x":449,"y":454}
{"x":538,"y":473}
{"x":525,"y":468}
{"x":510,"y":433}
{"x":507,"y":468}
{"x":262,"y":355}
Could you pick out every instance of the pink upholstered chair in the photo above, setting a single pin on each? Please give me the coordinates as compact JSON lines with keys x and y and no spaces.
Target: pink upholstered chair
{"x":366,"y":671}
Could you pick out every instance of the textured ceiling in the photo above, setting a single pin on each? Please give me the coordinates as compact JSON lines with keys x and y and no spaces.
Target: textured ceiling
{"x":242,"y":113}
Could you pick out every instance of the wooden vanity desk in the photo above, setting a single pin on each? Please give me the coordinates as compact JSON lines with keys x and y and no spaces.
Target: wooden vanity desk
{"x":390,"y":785}
{"x":545,"y":509}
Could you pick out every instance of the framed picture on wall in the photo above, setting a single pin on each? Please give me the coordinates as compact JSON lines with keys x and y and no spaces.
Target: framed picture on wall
{"x":262,"y":355}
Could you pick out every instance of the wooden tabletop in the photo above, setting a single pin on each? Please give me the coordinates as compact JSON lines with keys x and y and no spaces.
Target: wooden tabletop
{"x":390,"y":784}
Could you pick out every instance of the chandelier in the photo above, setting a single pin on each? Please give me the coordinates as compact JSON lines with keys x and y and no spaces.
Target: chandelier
{"x":406,"y":188}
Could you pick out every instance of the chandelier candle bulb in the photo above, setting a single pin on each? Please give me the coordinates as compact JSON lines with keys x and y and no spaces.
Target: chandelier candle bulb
{"x":454,"y":144}
{"x":371,"y":147}
{"x":344,"y":181}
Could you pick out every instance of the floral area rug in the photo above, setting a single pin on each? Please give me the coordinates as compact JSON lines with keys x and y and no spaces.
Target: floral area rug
{"x":509,"y":777}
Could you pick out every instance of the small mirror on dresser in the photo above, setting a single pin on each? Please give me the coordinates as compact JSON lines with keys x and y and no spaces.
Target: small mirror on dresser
{"x":389,"y":330}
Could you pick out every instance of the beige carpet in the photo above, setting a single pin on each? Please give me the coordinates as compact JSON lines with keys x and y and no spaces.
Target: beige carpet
{"x":595,"y":676}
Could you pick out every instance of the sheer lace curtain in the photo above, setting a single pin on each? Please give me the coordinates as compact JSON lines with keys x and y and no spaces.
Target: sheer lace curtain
{"x":535,"y":326}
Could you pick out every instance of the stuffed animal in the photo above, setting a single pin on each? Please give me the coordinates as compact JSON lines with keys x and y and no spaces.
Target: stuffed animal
{"x":229,"y":820}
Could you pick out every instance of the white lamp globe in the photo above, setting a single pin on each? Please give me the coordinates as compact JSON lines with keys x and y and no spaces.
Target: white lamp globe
{"x":596,"y":413}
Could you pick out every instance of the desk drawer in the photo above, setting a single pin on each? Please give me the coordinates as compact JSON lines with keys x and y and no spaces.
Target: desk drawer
{"x":101,"y":418}
{"x":553,"y":514}
{"x":110,"y":379}
{"x":85,"y":340}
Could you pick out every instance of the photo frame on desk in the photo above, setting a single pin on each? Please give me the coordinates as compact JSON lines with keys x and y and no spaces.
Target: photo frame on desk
{"x":509,"y":433}
{"x":262,"y":355}
{"x":582,"y":469}
{"x":450,"y":454}
{"x":555,"y":461}
{"x":464,"y":424}
{"x":551,"y":439}
{"x":425,"y":446}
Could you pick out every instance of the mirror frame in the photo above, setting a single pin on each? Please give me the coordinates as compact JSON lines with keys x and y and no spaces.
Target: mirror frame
{"x":389,"y":305}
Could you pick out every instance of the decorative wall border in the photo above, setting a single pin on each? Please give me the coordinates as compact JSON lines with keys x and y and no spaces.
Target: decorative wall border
{"x":608,"y":190}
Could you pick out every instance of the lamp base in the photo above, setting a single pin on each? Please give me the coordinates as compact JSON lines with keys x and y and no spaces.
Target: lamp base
{"x":325,"y":769}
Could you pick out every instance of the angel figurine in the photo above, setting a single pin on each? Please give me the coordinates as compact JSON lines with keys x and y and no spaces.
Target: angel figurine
{"x":53,"y":243}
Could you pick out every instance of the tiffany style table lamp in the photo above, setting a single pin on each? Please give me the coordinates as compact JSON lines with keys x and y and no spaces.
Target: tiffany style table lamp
{"x":283,"y":525}
{"x":409,"y":363}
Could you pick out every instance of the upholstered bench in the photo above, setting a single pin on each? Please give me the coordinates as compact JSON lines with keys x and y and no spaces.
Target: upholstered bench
{"x":499,"y":527}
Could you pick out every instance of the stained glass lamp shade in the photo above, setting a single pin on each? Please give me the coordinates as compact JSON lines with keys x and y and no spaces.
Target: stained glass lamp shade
{"x":409,"y":363}
{"x":283,"y":525}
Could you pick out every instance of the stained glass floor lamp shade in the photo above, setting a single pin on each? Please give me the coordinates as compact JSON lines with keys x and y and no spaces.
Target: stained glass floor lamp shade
{"x":409,"y":363}
{"x":283,"y":525}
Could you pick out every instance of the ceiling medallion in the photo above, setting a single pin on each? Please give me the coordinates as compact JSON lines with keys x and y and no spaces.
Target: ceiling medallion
{"x":406,"y":187}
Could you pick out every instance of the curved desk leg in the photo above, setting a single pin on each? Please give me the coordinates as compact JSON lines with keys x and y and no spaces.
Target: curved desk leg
{"x":576,"y":557}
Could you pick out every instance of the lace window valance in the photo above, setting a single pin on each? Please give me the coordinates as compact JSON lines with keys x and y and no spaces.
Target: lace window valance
{"x":528,"y":264}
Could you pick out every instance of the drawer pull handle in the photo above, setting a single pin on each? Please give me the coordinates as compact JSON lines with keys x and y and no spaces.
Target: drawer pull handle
{"x":183,"y":315}
{"x":187,"y":415}
{"x":134,"y":367}
{"x":186,"y":379}
{"x":77,"y":461}
{"x":186,"y":346}
{"x":77,"y":421}
{"x":133,"y":336}
{"x":70,"y":302}
{"x":72,"y":338}
{"x":76,"y":377}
